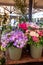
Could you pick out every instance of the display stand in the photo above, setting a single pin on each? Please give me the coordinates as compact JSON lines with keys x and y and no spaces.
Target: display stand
{"x":26,"y":57}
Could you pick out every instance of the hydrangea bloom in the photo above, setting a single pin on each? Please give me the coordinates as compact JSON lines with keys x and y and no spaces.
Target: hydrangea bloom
{"x":16,"y":38}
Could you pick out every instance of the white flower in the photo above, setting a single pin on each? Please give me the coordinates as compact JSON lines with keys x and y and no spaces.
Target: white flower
{"x":32,"y":33}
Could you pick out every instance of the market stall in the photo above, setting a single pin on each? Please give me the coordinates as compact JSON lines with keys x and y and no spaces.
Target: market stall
{"x":14,"y":42}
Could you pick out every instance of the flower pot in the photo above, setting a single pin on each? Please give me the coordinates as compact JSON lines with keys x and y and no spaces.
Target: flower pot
{"x":15,"y":53}
{"x":35,"y":51}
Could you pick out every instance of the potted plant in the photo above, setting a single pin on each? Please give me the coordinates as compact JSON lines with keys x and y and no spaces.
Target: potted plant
{"x":36,"y":41}
{"x":14,"y":41}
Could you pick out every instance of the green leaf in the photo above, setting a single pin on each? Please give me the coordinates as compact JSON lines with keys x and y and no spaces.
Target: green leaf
{"x":2,"y":49}
{"x":9,"y":44}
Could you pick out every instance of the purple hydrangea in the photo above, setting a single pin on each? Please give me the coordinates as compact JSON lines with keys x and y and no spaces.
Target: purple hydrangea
{"x":17,"y":37}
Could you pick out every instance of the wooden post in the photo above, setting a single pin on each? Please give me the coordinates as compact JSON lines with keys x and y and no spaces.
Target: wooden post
{"x":30,"y":10}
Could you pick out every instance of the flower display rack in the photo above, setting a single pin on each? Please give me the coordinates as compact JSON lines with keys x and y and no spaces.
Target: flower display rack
{"x":26,"y":57}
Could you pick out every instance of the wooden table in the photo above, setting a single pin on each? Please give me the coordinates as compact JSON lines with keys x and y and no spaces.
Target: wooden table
{"x":24,"y":59}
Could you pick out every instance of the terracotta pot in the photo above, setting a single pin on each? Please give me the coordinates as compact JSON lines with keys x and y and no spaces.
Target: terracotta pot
{"x":35,"y":51}
{"x":15,"y":53}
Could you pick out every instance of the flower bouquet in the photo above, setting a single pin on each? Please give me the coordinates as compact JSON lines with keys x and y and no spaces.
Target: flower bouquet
{"x":36,"y":41}
{"x":15,"y":41}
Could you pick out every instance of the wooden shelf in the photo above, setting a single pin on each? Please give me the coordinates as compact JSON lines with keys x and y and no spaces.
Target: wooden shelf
{"x":24,"y":59}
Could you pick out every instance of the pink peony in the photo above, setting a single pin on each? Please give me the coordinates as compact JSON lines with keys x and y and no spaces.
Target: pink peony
{"x":23,"y":26}
{"x":40,"y":32}
{"x":35,"y":39}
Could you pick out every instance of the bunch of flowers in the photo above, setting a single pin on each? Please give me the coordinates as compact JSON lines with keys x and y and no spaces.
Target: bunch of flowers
{"x":15,"y":38}
{"x":40,"y":32}
{"x":26,"y":25}
{"x":35,"y":37}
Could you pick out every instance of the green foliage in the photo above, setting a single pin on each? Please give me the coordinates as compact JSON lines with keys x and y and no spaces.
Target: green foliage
{"x":2,"y":49}
{"x":24,"y":19}
{"x":2,"y":61}
{"x":6,"y":29}
{"x":10,"y":44}
{"x":30,"y":41}
{"x":41,"y":41}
